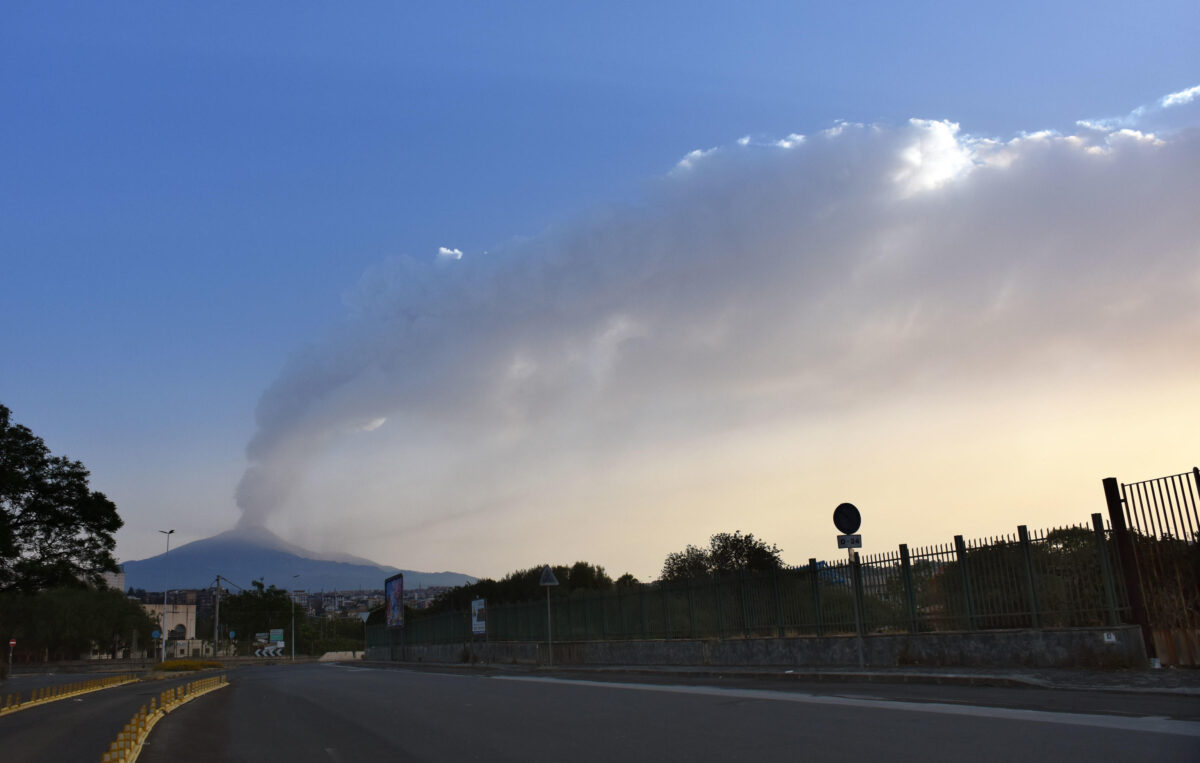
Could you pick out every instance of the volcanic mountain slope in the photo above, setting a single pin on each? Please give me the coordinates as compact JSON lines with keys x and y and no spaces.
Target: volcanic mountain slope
{"x":245,"y":554}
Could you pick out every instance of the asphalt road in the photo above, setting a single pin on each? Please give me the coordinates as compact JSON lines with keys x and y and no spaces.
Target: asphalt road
{"x":346,"y":713}
{"x":77,"y":728}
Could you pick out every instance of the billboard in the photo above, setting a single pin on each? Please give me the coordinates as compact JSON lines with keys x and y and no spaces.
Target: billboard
{"x":393,"y":594}
{"x":478,"y":617}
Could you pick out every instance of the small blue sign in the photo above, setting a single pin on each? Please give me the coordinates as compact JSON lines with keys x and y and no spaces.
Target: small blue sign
{"x":155,"y":634}
{"x":232,"y":634}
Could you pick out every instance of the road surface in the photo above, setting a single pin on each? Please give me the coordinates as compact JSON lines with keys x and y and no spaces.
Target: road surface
{"x":348,"y":713}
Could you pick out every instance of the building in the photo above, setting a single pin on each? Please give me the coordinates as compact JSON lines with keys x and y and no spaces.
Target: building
{"x":180,"y":622}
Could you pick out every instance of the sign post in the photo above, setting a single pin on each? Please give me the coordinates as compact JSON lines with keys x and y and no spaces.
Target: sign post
{"x":547,"y":581}
{"x":847,"y":519}
{"x":12,"y":642}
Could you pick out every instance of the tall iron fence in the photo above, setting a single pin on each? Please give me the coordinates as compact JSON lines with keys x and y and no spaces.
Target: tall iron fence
{"x":1157,"y":524}
{"x":1054,"y":578}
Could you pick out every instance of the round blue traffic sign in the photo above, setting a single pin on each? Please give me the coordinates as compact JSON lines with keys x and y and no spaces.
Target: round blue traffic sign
{"x":846,"y":518}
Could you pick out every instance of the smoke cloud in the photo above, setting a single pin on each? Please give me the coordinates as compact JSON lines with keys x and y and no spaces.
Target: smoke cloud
{"x":763,"y":283}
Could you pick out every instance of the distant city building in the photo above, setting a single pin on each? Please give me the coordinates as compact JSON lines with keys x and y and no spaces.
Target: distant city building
{"x":115,"y":580}
{"x":180,"y":622}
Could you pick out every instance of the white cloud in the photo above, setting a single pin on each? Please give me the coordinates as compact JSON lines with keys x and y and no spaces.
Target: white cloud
{"x":1172,"y":112}
{"x":792,"y":289}
{"x":445,"y":253}
{"x":692,"y":158}
{"x":933,"y":157}
{"x":1180,"y":98}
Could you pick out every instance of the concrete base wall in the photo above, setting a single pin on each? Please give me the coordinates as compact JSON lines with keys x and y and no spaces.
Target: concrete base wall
{"x":1118,"y":647}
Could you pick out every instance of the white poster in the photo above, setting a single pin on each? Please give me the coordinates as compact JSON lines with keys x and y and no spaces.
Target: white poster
{"x":478,"y":617}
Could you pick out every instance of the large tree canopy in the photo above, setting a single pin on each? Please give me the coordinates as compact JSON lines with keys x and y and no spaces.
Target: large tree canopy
{"x":726,"y":552}
{"x":54,"y":530}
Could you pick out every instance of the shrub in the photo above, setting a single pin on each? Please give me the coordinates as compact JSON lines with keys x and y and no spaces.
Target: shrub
{"x":178,"y":665}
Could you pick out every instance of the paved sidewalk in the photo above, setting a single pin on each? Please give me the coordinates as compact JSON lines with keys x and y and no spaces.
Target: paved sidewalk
{"x":1177,"y":681}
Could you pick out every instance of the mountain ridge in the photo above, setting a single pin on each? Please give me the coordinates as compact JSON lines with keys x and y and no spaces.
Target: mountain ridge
{"x":243,"y":554}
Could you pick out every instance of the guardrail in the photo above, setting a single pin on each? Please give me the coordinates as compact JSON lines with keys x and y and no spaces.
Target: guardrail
{"x":11,"y":703}
{"x":128,"y":744}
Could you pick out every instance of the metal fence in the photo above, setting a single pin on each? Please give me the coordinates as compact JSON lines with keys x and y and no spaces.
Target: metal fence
{"x":1043,"y":579}
{"x":1157,"y":525}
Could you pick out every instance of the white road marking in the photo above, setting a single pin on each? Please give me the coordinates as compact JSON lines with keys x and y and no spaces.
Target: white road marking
{"x":1150,"y":724}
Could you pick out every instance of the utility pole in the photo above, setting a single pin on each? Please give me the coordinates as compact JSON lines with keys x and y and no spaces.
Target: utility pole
{"x":165,"y":586}
{"x":217,"y":620}
{"x":292,"y":601}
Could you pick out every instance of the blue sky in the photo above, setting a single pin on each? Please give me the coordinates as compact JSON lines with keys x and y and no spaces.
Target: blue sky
{"x":198,"y":203}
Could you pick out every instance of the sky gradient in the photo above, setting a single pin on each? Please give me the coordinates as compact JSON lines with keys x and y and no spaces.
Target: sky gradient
{"x":476,"y":288}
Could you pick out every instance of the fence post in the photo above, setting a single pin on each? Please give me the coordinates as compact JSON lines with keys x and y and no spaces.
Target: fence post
{"x":587,"y":616}
{"x":778,"y":600}
{"x":621,"y":612}
{"x":1030,"y":579}
{"x":666,"y":602}
{"x":816,"y":594}
{"x":960,"y":550}
{"x":569,"y":631}
{"x":720,"y":610}
{"x":859,"y":608}
{"x":645,"y":615}
{"x":1110,"y":596}
{"x":745,"y":606}
{"x":691,"y":608}
{"x":603,"y":615}
{"x":910,"y":597}
{"x":1129,"y":565}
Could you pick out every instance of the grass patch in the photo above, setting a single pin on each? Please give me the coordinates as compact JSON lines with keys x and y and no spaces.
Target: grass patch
{"x":177,"y":665}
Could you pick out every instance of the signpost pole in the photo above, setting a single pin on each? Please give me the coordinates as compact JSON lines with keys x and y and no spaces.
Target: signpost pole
{"x":858,"y":628}
{"x":548,"y":580}
{"x":847,"y":520}
{"x":11,"y":643}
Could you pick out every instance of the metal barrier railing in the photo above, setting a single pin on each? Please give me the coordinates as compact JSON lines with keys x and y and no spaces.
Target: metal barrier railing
{"x":1055,"y":578}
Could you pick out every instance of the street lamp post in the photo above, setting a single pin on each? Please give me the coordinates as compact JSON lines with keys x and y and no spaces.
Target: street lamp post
{"x":164,"y":609}
{"x":293,"y":602}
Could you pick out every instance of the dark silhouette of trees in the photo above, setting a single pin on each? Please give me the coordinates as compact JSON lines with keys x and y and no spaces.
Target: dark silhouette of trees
{"x":65,"y":623}
{"x":519,"y":586}
{"x":726,"y":553}
{"x":258,"y":610}
{"x":54,"y":530}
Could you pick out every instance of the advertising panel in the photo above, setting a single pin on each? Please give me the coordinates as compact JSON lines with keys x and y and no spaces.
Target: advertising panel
{"x":478,"y":617}
{"x":393,"y":593}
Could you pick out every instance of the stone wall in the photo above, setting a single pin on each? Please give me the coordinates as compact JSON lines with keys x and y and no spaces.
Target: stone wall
{"x":1116,"y":647}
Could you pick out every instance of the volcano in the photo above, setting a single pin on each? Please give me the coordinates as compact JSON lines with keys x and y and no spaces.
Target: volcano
{"x":244,"y":554}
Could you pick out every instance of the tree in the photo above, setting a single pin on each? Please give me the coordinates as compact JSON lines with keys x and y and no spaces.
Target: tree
{"x":54,"y":530}
{"x":259,"y":611}
{"x":65,"y":623}
{"x":521,"y":585}
{"x":726,"y":552}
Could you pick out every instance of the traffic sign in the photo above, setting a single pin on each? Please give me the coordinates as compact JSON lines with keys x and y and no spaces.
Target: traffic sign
{"x":155,"y":634}
{"x":12,"y":642}
{"x":849,"y":541}
{"x":548,"y":576}
{"x":846,"y":518}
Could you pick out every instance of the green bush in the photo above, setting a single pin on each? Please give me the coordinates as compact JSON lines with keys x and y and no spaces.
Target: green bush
{"x":178,"y":665}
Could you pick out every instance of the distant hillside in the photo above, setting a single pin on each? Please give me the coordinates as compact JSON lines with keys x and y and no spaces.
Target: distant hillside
{"x":242,"y":555}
